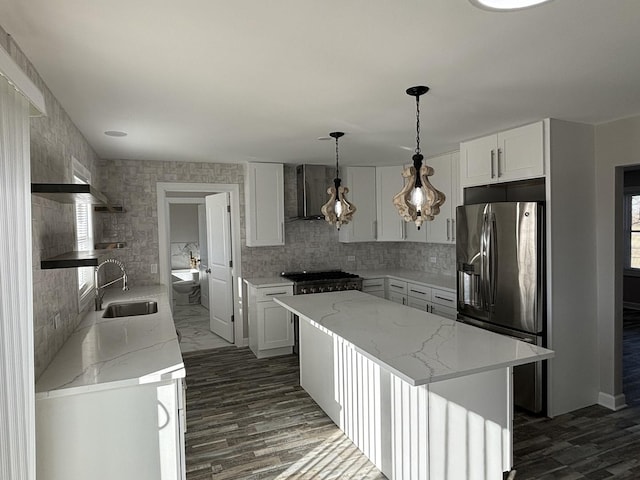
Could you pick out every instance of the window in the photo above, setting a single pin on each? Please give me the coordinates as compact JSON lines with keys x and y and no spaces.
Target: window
{"x":84,"y":236}
{"x":632,"y":230}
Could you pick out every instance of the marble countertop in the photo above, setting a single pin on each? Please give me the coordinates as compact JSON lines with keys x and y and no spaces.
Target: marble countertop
{"x":417,"y":346}
{"x":425,"y":278}
{"x":264,"y":282}
{"x":105,"y":353}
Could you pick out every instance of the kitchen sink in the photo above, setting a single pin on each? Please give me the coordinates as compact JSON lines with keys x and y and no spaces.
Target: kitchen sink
{"x":130,"y":309}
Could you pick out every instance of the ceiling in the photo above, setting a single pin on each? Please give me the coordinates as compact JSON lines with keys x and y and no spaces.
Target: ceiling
{"x":255,"y":80}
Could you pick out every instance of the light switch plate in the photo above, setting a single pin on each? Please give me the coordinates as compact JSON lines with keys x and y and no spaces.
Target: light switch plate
{"x":154,"y":268}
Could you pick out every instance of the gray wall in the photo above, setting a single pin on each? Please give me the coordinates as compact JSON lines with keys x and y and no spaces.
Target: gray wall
{"x":184,"y":223}
{"x":54,"y":140}
{"x":617,"y":145}
{"x":308,"y":244}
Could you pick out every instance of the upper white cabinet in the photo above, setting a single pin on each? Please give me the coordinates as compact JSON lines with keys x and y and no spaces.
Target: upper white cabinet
{"x":445,"y":178}
{"x":389,"y":182}
{"x":264,"y":198}
{"x":514,"y":154}
{"x":361,"y":182}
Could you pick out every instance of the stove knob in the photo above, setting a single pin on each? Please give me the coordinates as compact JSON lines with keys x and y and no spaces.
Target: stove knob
{"x":330,"y":288}
{"x":312,"y":290}
{"x":321,"y":290}
{"x":303,"y":291}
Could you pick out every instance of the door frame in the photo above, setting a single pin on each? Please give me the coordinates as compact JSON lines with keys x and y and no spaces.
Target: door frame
{"x":164,"y":191}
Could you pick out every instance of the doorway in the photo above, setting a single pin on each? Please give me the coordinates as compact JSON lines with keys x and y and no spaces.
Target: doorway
{"x":194,"y":193}
{"x":631,"y":285}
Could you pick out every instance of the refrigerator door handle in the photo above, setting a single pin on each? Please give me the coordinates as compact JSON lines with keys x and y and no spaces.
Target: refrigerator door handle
{"x":484,"y":274}
{"x":492,"y":259}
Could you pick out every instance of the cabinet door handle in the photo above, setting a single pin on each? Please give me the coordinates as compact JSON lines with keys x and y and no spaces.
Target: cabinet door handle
{"x":448,"y":226}
{"x":493,"y":156}
{"x":402,"y":230}
{"x":374,"y":225}
{"x":282,"y":230}
{"x":453,"y":230}
{"x":442,"y":298}
{"x":499,"y":155}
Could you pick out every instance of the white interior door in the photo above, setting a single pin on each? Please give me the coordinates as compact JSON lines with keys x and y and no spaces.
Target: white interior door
{"x":219,"y":272}
{"x":204,"y":256}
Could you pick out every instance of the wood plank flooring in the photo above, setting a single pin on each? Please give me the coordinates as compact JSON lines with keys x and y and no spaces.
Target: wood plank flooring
{"x":249,"y":419}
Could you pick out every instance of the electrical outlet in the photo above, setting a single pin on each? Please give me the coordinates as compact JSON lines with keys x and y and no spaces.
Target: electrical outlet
{"x":154,"y":268}
{"x":433,"y":259}
{"x":56,"y":321}
{"x":351,"y":258}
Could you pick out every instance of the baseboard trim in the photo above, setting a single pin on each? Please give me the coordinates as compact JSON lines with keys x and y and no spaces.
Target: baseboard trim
{"x":612,"y":402}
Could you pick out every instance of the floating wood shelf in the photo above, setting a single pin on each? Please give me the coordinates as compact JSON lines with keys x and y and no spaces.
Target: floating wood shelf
{"x":71,"y":193}
{"x":87,"y":258}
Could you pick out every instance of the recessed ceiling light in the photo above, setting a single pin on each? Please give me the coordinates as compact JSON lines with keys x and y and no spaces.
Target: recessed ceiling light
{"x":115,"y":133}
{"x":506,"y":5}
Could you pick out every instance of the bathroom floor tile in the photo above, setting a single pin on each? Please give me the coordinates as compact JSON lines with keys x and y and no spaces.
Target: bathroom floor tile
{"x":192,"y":321}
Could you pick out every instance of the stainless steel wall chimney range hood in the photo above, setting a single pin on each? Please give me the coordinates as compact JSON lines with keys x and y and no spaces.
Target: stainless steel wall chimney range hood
{"x":312,"y":191}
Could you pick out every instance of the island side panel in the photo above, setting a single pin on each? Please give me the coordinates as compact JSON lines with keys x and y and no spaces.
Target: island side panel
{"x":455,"y":429}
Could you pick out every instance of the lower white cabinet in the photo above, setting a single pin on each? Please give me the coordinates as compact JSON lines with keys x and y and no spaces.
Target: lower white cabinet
{"x":129,"y":433}
{"x":270,"y":325}
{"x":416,"y":295}
{"x":373,"y":286}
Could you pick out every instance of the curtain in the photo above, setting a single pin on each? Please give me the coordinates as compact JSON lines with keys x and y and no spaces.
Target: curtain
{"x":17,"y":398}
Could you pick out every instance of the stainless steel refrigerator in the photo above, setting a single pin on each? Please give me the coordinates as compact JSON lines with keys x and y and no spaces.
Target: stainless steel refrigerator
{"x":501,"y":280}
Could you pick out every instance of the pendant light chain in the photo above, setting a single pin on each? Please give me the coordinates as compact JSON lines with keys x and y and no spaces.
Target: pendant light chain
{"x":337,"y":172}
{"x":417,"y":151}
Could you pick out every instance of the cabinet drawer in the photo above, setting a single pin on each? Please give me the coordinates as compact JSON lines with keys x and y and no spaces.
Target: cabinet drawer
{"x":446,"y":312}
{"x":396,"y":286}
{"x":266,"y":294}
{"x":398,"y":298}
{"x":445,"y":298}
{"x":419,"y":304}
{"x":372,"y":284}
{"x":416,"y":290}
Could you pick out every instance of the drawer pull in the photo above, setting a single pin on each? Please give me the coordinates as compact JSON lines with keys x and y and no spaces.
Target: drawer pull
{"x":275,"y":293}
{"x":418,"y":291}
{"x":442,"y":298}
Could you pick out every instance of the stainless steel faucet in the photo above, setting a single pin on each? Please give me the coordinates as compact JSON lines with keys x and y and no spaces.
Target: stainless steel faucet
{"x":97,"y":287}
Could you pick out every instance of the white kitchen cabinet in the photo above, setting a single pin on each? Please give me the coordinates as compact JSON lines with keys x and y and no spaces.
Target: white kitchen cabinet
{"x":397,"y":298}
{"x":270,"y":325}
{"x":373,"y":286}
{"x":264,"y":199}
{"x":389,"y":181}
{"x":445,"y":178}
{"x":429,"y":299}
{"x":361,"y":182}
{"x":396,"y":290}
{"x":130,"y":433}
{"x":514,"y":154}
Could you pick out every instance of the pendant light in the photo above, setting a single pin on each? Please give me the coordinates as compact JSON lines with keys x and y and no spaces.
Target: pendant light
{"x":337,"y":211}
{"x":418,"y":200}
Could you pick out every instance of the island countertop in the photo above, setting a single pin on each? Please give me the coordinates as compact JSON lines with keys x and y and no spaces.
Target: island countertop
{"x":417,"y":346}
{"x":105,"y":353}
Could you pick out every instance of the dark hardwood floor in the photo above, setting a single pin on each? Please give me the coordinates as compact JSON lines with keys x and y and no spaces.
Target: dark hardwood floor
{"x":249,"y":419}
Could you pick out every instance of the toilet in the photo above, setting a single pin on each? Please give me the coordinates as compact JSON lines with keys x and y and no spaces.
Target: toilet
{"x":186,"y":286}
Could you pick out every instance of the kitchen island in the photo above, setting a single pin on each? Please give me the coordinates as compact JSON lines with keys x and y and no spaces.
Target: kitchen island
{"x":422,"y":396}
{"x":110,"y":404}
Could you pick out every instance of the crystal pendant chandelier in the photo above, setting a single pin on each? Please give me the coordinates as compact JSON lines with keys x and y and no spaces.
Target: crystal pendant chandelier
{"x":418,"y":200}
{"x":337,"y":211}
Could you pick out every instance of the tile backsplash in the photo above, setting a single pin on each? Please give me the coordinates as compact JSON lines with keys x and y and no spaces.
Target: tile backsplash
{"x":181,"y":254}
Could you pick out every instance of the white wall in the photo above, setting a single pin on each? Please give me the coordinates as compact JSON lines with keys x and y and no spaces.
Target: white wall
{"x":184,"y":223}
{"x":617,"y":145}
